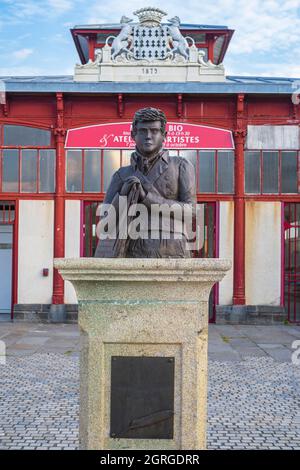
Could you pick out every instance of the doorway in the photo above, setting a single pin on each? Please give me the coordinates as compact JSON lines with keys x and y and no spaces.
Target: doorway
{"x":292,"y":261}
{"x":7,"y":216}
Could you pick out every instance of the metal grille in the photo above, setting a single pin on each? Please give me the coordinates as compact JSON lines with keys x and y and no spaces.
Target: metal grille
{"x":89,"y":228}
{"x":209,"y":250}
{"x":292,"y":261}
{"x":7,"y":212}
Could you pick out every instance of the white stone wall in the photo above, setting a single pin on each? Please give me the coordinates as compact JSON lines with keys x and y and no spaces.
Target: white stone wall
{"x":72,"y":242}
{"x":226,"y":233}
{"x":35,"y":251}
{"x":263,"y":253}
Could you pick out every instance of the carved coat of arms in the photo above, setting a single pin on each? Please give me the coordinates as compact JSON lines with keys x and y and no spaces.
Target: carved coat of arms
{"x":149,"y":40}
{"x":148,"y":50}
{"x":150,"y":43}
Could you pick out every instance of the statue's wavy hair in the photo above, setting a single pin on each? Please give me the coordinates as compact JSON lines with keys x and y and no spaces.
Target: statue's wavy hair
{"x":147,"y":115}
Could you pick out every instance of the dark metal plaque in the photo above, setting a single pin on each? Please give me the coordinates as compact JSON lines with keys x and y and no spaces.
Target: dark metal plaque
{"x":142,"y":397}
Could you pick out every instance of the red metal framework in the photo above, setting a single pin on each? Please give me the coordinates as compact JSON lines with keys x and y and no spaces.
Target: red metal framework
{"x":239,"y":296}
{"x":124,"y":159}
{"x":37,"y":148}
{"x":292,"y":261}
{"x":47,"y":111}
{"x":279,"y":175}
{"x":59,"y":201}
{"x":7,"y":212}
{"x":21,"y":185}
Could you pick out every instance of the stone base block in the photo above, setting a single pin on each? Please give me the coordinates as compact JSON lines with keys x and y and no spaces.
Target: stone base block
{"x":43,"y":313}
{"x":250,"y":314}
{"x":136,"y":309}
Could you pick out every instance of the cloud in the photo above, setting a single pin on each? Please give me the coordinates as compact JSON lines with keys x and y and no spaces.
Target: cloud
{"x":20,"y":71}
{"x":268,"y":70}
{"x":60,"y":6}
{"x":265,"y":26}
{"x":22,"y":54}
{"x":28,"y":71}
{"x":265,"y":42}
{"x":20,"y":11}
{"x":23,"y":10}
{"x":259,"y":26}
{"x":60,"y":38}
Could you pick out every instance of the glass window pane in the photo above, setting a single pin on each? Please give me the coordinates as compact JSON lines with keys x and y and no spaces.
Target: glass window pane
{"x":289,"y":183}
{"x":270,"y":172}
{"x":92,"y":170}
{"x":111,"y":163}
{"x":74,"y":170}
{"x":47,"y":171}
{"x":252,"y":172}
{"x":190,"y":155}
{"x":126,"y":154}
{"x":10,"y":171}
{"x":207,"y":171}
{"x":28,"y":171}
{"x":225,"y":171}
{"x":23,"y":135}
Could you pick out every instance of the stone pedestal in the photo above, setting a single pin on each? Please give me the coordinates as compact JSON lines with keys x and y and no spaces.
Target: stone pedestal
{"x":143,"y":365}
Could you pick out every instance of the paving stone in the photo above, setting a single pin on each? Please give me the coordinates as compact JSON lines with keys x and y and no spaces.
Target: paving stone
{"x":253,"y":396}
{"x":257,"y":391}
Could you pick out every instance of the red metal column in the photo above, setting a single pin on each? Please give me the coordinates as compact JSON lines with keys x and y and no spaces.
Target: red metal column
{"x":239,"y":208}
{"x":15,"y":259}
{"x":239,"y":223}
{"x":210,"y":52}
{"x":59,"y":203}
{"x":92,"y":43}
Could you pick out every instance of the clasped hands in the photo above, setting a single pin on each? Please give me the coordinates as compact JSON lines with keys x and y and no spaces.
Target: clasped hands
{"x":127,"y":185}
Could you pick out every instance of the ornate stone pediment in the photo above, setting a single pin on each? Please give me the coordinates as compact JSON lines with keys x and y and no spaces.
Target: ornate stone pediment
{"x":149,"y":51}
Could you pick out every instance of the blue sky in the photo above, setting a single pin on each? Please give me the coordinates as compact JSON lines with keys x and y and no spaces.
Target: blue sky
{"x":35,"y":37}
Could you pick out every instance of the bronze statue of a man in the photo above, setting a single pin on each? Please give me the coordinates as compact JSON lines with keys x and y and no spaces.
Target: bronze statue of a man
{"x":153,"y":178}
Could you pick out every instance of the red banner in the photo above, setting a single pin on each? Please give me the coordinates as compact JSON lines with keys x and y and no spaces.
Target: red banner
{"x":180,"y":136}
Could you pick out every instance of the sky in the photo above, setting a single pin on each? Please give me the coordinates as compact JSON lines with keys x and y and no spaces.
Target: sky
{"x":35,"y":36}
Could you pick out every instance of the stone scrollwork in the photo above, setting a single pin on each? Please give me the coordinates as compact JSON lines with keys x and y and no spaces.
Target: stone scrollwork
{"x":209,"y":63}
{"x":90,"y":64}
{"x":98,"y":56}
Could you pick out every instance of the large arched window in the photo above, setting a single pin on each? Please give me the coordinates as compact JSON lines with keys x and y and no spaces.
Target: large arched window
{"x":27,"y":160}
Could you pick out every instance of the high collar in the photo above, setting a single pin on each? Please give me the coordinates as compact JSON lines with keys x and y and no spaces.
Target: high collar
{"x":137,"y":158}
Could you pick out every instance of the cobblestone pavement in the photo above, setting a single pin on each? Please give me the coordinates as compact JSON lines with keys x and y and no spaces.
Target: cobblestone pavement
{"x":254,"y":399}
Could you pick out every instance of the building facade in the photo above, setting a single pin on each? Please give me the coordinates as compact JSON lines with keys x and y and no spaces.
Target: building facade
{"x":62,"y":137}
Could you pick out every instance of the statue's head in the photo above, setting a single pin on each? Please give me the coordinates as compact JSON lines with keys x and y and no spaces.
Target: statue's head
{"x":149,"y":130}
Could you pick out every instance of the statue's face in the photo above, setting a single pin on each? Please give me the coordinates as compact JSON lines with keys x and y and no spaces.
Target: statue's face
{"x":148,"y":137}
